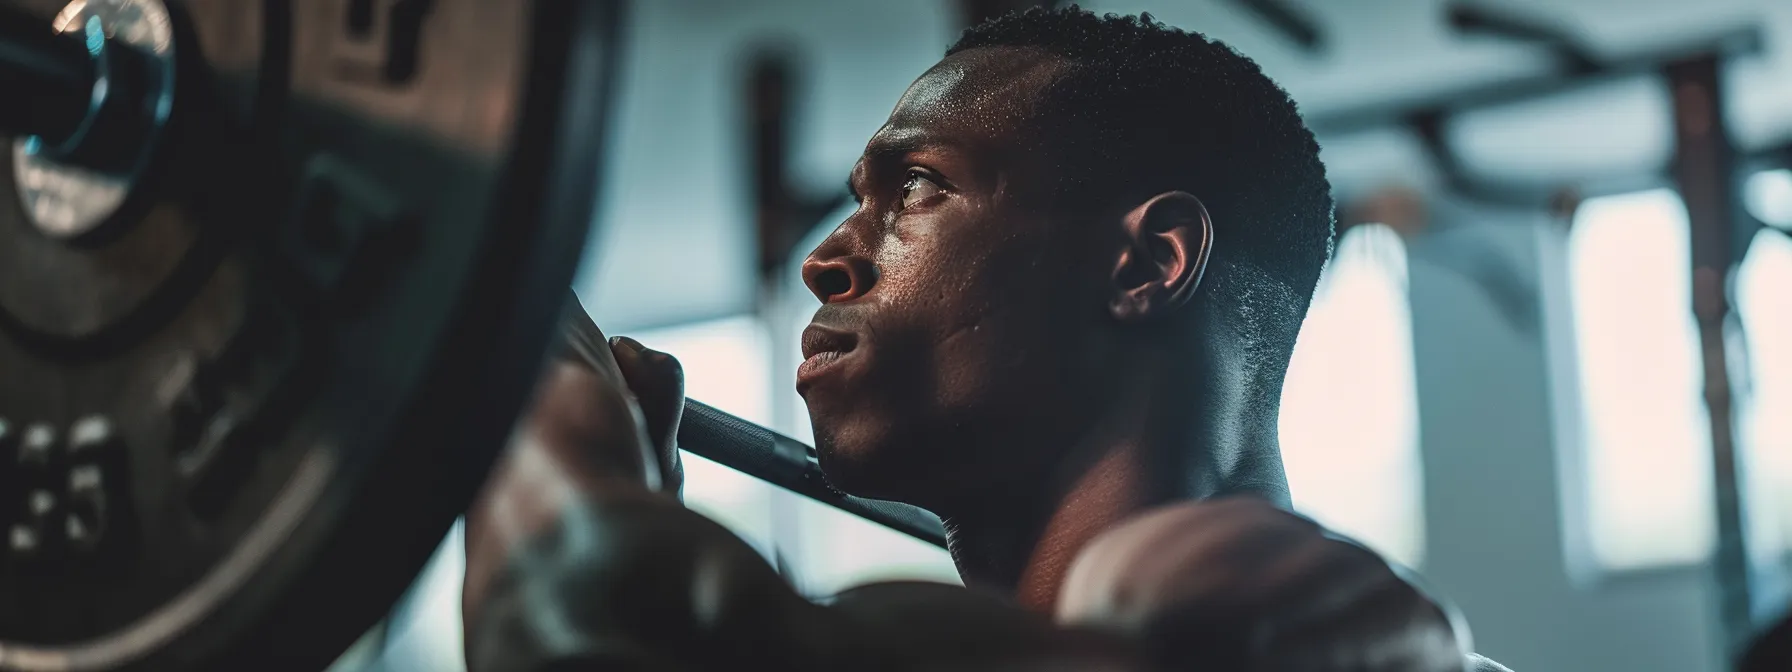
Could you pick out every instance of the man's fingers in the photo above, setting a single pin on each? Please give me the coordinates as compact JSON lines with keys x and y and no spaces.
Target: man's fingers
{"x":582,"y":341}
{"x":657,"y":381}
{"x":581,"y":421}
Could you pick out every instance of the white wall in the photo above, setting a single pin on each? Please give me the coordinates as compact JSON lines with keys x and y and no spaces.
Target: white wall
{"x":1491,"y":421}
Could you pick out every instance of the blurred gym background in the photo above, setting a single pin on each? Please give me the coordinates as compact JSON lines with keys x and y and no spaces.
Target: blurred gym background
{"x":1501,"y":382}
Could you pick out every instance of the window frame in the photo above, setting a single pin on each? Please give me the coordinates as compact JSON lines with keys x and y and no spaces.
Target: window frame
{"x":1568,"y":408}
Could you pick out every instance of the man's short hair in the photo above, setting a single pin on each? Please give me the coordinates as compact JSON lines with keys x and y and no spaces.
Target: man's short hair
{"x":1155,"y":108}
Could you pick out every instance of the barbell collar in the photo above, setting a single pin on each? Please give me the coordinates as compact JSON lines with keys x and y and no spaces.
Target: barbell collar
{"x":78,"y":97}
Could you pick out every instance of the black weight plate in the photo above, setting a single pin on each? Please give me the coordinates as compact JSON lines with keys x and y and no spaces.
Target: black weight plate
{"x":235,"y":425}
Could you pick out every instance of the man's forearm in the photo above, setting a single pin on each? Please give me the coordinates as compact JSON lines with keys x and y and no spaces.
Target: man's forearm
{"x":630,"y":579}
{"x":635,"y":578}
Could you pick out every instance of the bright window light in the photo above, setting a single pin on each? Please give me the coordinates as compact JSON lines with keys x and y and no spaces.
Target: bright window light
{"x":1764,"y":302}
{"x":835,"y":550}
{"x":1349,"y":419}
{"x":1646,"y":435}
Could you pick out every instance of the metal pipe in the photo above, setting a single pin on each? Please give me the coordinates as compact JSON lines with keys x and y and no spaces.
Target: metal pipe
{"x":1487,"y":95}
{"x":1704,"y":167}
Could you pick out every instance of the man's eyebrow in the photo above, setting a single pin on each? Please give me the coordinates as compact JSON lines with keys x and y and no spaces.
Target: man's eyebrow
{"x":888,"y":147}
{"x":891,"y":145}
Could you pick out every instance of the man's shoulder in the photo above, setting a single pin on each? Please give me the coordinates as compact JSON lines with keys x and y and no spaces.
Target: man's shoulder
{"x":1180,"y":552}
{"x":1183,"y":533}
{"x":1212,"y":552}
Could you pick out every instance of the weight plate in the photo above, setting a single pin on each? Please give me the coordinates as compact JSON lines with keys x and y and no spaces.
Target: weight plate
{"x":235,"y":424}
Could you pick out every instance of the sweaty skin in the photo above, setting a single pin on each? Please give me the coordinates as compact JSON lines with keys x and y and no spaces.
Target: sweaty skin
{"x":1034,"y":378}
{"x":1051,"y":384}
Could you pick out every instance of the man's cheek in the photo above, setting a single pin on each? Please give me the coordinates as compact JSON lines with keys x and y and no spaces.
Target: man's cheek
{"x":974,"y":371}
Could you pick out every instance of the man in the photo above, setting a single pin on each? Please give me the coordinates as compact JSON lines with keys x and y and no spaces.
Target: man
{"x":1060,"y":319}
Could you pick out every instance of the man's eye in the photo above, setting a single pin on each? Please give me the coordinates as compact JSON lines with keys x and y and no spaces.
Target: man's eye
{"x":917,"y":189}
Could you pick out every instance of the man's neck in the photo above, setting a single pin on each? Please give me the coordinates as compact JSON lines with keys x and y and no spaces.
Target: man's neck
{"x":1141,"y":456}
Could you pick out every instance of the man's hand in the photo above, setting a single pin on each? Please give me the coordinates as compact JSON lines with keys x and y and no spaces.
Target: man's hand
{"x":1237,"y":584}
{"x":653,"y":380}
{"x":601,"y":427}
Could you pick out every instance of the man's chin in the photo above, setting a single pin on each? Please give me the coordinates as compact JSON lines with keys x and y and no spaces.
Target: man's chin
{"x":860,"y":476}
{"x":877,"y":457}
{"x":875,"y":473}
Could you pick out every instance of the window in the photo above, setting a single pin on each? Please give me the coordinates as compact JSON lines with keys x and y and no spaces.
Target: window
{"x":1645,"y":433}
{"x":1646,"y":429}
{"x":1349,"y":423}
{"x":1763,"y":285}
{"x":1764,"y":302}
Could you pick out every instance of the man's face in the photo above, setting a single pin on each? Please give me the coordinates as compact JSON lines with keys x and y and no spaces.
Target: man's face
{"x":956,"y":333}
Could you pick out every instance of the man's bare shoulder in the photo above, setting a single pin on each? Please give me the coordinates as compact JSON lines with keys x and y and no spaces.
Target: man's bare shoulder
{"x":1212,"y":552}
{"x":1243,"y":567}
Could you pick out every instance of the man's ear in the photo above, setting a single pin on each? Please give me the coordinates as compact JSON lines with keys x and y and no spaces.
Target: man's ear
{"x":1168,"y":240}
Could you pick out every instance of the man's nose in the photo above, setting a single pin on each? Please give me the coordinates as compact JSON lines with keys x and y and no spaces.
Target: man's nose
{"x":836,"y":275}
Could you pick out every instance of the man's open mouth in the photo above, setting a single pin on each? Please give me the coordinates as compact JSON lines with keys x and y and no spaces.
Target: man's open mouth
{"x":823,"y":351}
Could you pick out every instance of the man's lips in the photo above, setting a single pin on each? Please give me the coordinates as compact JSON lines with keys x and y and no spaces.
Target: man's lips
{"x":823,"y":348}
{"x":819,"y":340}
